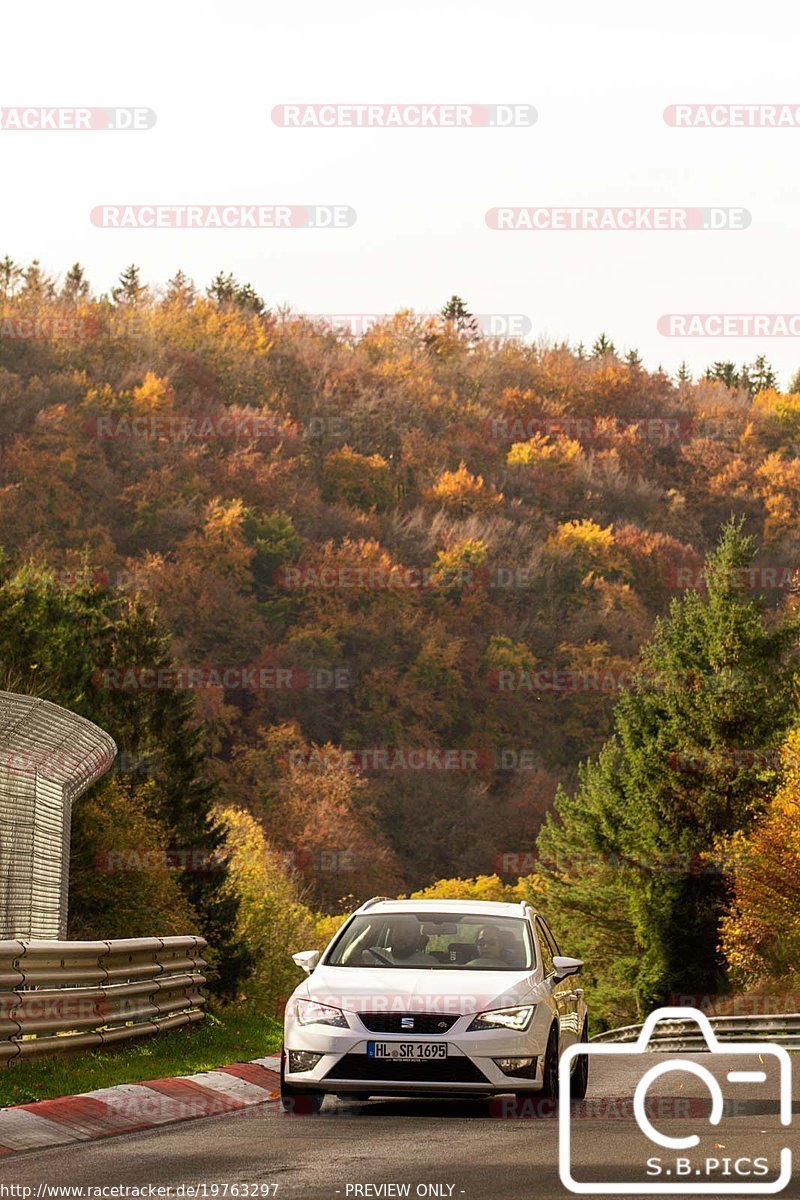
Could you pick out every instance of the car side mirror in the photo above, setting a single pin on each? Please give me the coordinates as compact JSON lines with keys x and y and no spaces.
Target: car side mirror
{"x":567,"y":966}
{"x":306,"y":960}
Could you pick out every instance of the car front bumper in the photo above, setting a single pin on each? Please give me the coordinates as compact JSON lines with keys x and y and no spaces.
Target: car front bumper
{"x":468,"y":1069}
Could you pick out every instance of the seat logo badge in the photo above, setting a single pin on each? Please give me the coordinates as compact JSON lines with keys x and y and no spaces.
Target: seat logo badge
{"x":406,"y":1022}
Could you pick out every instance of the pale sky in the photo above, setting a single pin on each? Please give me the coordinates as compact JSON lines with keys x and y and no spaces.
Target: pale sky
{"x":599,"y":76}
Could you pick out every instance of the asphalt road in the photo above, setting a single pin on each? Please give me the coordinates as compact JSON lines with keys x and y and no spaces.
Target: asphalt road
{"x":466,"y":1148}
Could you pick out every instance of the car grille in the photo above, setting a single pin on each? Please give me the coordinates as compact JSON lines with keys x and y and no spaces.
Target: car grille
{"x":453,"y":1069}
{"x":423,"y":1022}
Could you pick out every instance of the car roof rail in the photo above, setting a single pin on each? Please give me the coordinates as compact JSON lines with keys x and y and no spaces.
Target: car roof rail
{"x":374,"y":900}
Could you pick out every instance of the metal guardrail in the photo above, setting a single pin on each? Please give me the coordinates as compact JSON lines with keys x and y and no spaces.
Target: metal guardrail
{"x":57,"y":996}
{"x":676,"y":1034}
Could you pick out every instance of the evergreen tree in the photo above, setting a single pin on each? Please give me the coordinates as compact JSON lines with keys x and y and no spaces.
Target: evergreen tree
{"x":180,"y":289}
{"x":75,"y":286}
{"x":724,"y":372}
{"x":715,"y":693}
{"x":603,"y":346}
{"x":130,"y":287}
{"x":760,"y":376}
{"x":683,"y":375}
{"x":456,"y":314}
{"x":71,"y":646}
{"x":10,"y":275}
{"x":227,"y":290}
{"x":36,"y":283}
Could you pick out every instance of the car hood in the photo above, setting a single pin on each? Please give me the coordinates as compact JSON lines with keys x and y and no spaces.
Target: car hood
{"x":397,"y":989}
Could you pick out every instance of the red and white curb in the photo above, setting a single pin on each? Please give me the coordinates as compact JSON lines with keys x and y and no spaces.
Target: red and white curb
{"x":135,"y":1106}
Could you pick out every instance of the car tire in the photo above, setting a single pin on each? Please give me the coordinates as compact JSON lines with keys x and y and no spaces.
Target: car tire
{"x":550,"y":1071}
{"x":298,"y":1101}
{"x":580,"y":1074}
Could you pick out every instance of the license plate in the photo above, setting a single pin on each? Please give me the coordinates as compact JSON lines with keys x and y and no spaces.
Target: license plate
{"x":407,"y":1051}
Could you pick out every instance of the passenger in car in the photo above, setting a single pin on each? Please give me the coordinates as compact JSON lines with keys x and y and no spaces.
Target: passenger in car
{"x":489,"y":950}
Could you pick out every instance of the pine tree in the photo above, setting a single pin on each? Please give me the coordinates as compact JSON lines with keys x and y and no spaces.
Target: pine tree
{"x":36,"y":283}
{"x":130,"y":287}
{"x":180,"y":289}
{"x":603,"y":346}
{"x":456,"y":314}
{"x":10,"y":275}
{"x":75,"y":286}
{"x":761,"y":376}
{"x":227,"y":291}
{"x":724,"y":372}
{"x":683,"y":375}
{"x":57,"y":643}
{"x":715,"y":693}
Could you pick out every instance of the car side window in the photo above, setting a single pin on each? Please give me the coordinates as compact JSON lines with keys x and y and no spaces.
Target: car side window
{"x":551,"y":941}
{"x":546,"y":952}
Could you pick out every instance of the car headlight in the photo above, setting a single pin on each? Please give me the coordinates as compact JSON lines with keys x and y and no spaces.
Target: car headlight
{"x":517,"y":1019}
{"x":309,"y":1012}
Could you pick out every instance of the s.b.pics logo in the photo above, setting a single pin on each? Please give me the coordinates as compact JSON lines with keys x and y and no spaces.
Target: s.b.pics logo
{"x":703,"y":1139}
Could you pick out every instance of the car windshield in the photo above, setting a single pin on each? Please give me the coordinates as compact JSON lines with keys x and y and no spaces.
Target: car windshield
{"x":434,"y":941}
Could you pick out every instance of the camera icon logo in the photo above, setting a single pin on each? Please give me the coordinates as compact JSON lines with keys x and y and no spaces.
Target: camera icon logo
{"x":679,"y":1172}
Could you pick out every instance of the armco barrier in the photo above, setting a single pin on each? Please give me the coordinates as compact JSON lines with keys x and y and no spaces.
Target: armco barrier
{"x":58,"y":996}
{"x":676,"y":1034}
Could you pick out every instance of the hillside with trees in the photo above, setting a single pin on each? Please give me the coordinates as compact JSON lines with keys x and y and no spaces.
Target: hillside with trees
{"x":368,"y":612}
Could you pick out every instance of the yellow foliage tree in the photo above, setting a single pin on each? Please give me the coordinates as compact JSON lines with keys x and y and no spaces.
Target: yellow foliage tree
{"x":761,"y":933}
{"x":589,"y":543}
{"x":482,"y":887}
{"x":463,"y":492}
{"x":543,"y":451}
{"x":272,"y":921}
{"x":361,"y":480}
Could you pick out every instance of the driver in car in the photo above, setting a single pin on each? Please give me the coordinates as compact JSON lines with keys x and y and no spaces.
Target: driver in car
{"x":403,"y":950}
{"x":489,"y":950}
{"x":405,"y":937}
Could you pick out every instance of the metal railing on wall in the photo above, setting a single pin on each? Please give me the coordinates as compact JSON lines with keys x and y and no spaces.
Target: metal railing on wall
{"x":676,"y":1034}
{"x":58,"y":996}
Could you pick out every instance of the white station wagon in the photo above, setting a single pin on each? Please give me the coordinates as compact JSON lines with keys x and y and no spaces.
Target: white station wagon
{"x":433,"y":997}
